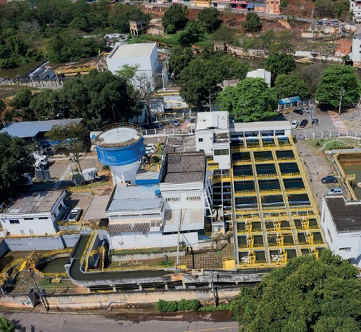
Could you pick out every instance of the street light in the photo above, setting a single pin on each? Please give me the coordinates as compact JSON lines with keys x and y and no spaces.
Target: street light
{"x":342,"y":93}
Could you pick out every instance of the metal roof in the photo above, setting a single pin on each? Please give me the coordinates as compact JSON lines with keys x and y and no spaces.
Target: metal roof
{"x":135,"y":198}
{"x":133,"y":50}
{"x":32,"y":128}
{"x":216,"y":120}
{"x":35,"y":202}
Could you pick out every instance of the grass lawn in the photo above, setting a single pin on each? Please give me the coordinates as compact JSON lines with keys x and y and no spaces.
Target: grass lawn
{"x":324,"y":144}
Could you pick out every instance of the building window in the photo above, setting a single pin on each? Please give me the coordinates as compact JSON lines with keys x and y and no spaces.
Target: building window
{"x":345,"y":249}
{"x":196,"y":198}
{"x":22,"y":232}
{"x":222,"y":152}
{"x":14,"y":221}
{"x":31,"y":231}
{"x":28,"y":219}
{"x":43,"y":218}
{"x":173,"y":199}
{"x":200,"y":140}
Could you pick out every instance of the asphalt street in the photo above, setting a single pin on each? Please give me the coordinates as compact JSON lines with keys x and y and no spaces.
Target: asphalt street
{"x":66,"y":322}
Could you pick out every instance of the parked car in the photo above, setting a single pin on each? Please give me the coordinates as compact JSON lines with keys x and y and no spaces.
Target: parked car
{"x":158,"y":125}
{"x":74,"y":214}
{"x":303,"y":123}
{"x":279,"y":16}
{"x":174,"y":123}
{"x":305,"y":109}
{"x":335,"y":191}
{"x":294,"y":124}
{"x":315,"y":122}
{"x":298,"y":111}
{"x":150,"y":149}
{"x":329,"y":179}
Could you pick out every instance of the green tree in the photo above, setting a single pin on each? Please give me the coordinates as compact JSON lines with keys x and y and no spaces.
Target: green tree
{"x":224,"y":34}
{"x":305,"y":295}
{"x":198,"y":81}
{"x":120,"y":15}
{"x":209,"y":19}
{"x":180,"y":58}
{"x":6,"y":325}
{"x":312,"y":74}
{"x":166,"y":306}
{"x":191,"y":34}
{"x":2,"y":108}
{"x":46,"y":105}
{"x":252,"y":23}
{"x":250,"y":100}
{"x":339,"y":80}
{"x":80,"y":23}
{"x":279,"y":63}
{"x":291,"y":85}
{"x":22,"y":99}
{"x":100,"y":98}
{"x":283,"y":5}
{"x":71,"y":138}
{"x":15,"y":160}
{"x":128,"y":72}
{"x":175,"y":18}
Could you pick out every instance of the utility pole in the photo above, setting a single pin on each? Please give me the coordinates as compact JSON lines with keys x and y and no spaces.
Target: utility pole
{"x":342,"y":93}
{"x":210,"y":101}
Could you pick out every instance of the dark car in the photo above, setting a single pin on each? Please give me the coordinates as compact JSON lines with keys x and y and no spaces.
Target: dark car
{"x":315,"y":121}
{"x":158,"y":125}
{"x":174,"y":123}
{"x":298,"y":111}
{"x":303,"y":123}
{"x":329,"y":179}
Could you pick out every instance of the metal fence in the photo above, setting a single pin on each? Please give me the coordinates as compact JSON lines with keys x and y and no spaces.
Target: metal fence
{"x":327,"y":134}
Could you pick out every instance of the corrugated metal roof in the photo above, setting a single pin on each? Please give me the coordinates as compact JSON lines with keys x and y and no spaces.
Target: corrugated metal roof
{"x":32,"y":128}
{"x":133,"y":50}
{"x":134,"y":204}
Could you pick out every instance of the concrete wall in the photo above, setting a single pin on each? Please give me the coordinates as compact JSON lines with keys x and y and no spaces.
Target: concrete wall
{"x":3,"y":248}
{"x":154,"y":255}
{"x":41,"y":243}
{"x":356,"y":49}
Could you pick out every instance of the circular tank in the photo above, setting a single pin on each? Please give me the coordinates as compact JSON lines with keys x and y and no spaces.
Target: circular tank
{"x":121,"y":148}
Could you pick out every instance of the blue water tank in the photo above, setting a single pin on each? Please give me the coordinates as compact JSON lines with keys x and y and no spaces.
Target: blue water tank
{"x":118,"y":150}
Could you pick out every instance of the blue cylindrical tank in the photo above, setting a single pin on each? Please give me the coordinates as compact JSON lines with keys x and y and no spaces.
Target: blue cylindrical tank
{"x":120,"y":146}
{"x":121,"y":156}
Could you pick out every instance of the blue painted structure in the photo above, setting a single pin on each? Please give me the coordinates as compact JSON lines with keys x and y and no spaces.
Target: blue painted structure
{"x":121,"y":156}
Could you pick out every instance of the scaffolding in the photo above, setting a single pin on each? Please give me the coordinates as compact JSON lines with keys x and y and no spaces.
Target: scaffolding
{"x":275,"y":217}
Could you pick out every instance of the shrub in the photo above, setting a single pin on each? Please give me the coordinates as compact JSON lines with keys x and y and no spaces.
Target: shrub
{"x":188,"y":305}
{"x":166,"y":306}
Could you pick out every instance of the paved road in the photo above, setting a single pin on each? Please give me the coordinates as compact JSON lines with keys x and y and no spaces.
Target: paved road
{"x":64,"y":322}
{"x":245,"y":11}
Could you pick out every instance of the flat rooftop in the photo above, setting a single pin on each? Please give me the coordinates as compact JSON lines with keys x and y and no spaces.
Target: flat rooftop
{"x":96,"y":209}
{"x":212,"y":120}
{"x":346,"y":215}
{"x":132,"y":50}
{"x":33,"y":128}
{"x":188,"y":219}
{"x":184,"y":167}
{"x":35,"y":202}
{"x":134,"y":198}
{"x":180,"y":144}
{"x":260,"y":125}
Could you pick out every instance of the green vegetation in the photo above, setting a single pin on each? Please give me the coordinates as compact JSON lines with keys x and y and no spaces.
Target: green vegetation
{"x":166,"y":306}
{"x":191,"y":34}
{"x":175,"y":18}
{"x":209,"y":19}
{"x":252,"y":23}
{"x":15,"y":160}
{"x":143,"y":251}
{"x":339,"y":80}
{"x":291,"y":85}
{"x":279,"y":63}
{"x":210,"y":308}
{"x":55,"y":29}
{"x":324,"y":144}
{"x":250,"y":100}
{"x":188,"y":305}
{"x":6,"y":325}
{"x":305,"y":295}
{"x":338,"y":8}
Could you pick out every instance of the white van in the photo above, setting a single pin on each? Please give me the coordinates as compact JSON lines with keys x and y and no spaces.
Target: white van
{"x":294,"y":124}
{"x":335,"y":191}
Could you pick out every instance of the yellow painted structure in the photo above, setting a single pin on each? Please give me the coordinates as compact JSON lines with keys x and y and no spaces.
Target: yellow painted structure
{"x":274,"y":215}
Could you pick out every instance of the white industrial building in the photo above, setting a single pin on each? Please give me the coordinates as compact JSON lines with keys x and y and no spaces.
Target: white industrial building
{"x":212,"y":136}
{"x":261,"y":73}
{"x":143,"y":55}
{"x":164,"y":214}
{"x":341,"y":224}
{"x":356,"y":46}
{"x":355,"y":8}
{"x":35,"y":213}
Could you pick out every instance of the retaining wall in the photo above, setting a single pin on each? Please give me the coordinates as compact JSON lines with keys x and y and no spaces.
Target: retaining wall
{"x":137,"y":257}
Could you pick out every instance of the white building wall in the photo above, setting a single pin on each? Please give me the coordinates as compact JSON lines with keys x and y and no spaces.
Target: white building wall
{"x":204,"y":141}
{"x":356,"y":49}
{"x":345,"y":244}
{"x":151,"y":240}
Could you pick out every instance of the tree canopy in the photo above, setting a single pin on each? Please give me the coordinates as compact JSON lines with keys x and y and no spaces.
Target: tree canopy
{"x":337,"y":79}
{"x":250,"y":100}
{"x":6,"y":325}
{"x":15,"y":159}
{"x":290,"y":86}
{"x":175,"y":18}
{"x":209,"y":19}
{"x":305,"y":295}
{"x":191,"y":34}
{"x":180,"y":58}
{"x":279,"y":63}
{"x":252,"y":23}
